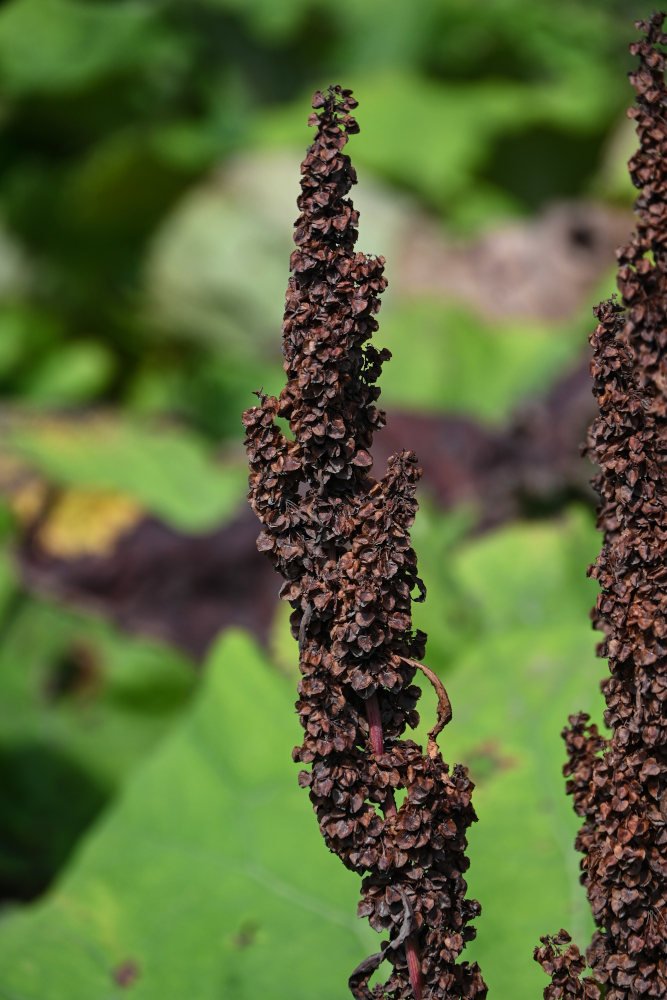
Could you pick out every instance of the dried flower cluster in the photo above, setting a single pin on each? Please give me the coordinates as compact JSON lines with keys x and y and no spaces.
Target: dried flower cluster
{"x":341,"y":541}
{"x":564,"y":963}
{"x":620,"y":784}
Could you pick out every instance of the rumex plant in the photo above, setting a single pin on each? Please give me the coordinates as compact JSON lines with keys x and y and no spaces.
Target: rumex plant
{"x":341,"y":541}
{"x":619,"y":784}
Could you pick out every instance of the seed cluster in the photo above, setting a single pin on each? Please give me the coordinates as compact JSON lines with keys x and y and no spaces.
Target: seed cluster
{"x":341,"y":540}
{"x":565,"y":964}
{"x":620,"y":784}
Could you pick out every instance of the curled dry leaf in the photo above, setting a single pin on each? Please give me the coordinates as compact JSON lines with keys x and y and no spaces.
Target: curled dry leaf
{"x":444,"y":706}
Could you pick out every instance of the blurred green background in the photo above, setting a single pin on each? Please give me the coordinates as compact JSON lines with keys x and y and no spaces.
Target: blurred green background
{"x":152,"y":836}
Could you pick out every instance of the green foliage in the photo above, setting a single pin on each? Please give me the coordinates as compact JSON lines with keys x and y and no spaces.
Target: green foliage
{"x":169,"y":471}
{"x":76,"y":373}
{"x":542,"y":570}
{"x":237,"y":876}
{"x":113,"y":111}
{"x":57,"y":45}
{"x":456,"y":127}
{"x":526,"y":663}
{"x":81,"y":705}
{"x":223,"y":889}
{"x":476,"y":367}
{"x":507,"y":618}
{"x":101,"y":707}
{"x":28,"y":337}
{"x":142,"y":272}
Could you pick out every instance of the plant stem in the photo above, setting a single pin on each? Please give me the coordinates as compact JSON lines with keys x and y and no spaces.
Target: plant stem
{"x":377,"y":742}
{"x":375,"y":724}
{"x":414,"y":966}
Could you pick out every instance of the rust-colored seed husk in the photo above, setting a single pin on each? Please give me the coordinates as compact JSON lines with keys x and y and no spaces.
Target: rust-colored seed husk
{"x":341,"y":541}
{"x":619,"y":784}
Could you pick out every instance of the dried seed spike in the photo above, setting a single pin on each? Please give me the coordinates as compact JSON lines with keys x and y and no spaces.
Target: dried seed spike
{"x":341,"y":540}
{"x":618,"y":784}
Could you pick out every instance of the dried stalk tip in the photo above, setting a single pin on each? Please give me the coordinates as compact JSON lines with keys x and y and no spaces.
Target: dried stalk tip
{"x":341,"y":540}
{"x":620,"y":785}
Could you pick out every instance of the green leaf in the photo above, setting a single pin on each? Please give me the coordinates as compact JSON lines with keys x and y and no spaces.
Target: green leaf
{"x":447,"y":616}
{"x":448,"y":129}
{"x":8,"y":582}
{"x":209,"y":875}
{"x":64,"y":44}
{"x":475,"y":367}
{"x":234,"y":238}
{"x":25,"y":334}
{"x":75,"y":373}
{"x":81,"y":705}
{"x":111,"y":678}
{"x":528,"y":664}
{"x":531,"y":576}
{"x":121,"y":189}
{"x":268,"y":21}
{"x":167,"y":469}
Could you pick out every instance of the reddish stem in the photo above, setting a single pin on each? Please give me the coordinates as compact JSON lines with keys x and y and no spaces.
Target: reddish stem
{"x":377,"y":743}
{"x":375,"y":724}
{"x":414,"y":966}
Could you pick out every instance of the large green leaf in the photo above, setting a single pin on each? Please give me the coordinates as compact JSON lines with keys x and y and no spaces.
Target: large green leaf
{"x":474,"y":366}
{"x":85,"y":688}
{"x":209,"y":875}
{"x":528,"y":663}
{"x":531,"y":576}
{"x":167,"y":469}
{"x":81,"y":705}
{"x":524,"y":869}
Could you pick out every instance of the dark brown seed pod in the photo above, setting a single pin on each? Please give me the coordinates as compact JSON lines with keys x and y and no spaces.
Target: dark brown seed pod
{"x":341,"y":541}
{"x":619,"y":784}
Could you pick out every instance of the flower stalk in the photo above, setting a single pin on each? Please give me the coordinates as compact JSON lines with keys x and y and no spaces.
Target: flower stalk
{"x":341,"y":541}
{"x":619,"y":783}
